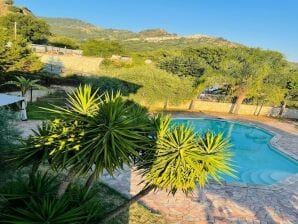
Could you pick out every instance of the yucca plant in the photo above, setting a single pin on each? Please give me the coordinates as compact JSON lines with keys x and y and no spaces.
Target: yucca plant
{"x":82,"y":101}
{"x":45,"y":210}
{"x":87,"y":199}
{"x":39,"y":185}
{"x":112,"y":137}
{"x":179,"y":160}
{"x":102,"y":136}
{"x":34,"y":151}
{"x":214,"y":156}
{"x":16,"y":192}
{"x":34,"y":201}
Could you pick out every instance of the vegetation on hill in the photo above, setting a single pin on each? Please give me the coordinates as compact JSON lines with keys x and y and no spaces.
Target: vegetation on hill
{"x":101,"y":48}
{"x":150,"y":39}
{"x":80,"y":30}
{"x":155,"y":33}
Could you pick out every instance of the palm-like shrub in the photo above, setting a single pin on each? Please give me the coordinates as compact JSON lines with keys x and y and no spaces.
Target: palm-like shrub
{"x":34,"y":201}
{"x":215,"y":157}
{"x":179,"y":160}
{"x":17,"y":192}
{"x":24,"y":84}
{"x":174,"y":165}
{"x":35,"y":151}
{"x":94,"y":133}
{"x":46,"y":210}
{"x":81,"y":101}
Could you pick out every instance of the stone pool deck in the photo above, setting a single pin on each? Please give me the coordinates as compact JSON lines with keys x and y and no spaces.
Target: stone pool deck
{"x":224,"y":203}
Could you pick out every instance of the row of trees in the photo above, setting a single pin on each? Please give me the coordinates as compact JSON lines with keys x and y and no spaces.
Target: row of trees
{"x":248,"y":72}
{"x":97,"y":133}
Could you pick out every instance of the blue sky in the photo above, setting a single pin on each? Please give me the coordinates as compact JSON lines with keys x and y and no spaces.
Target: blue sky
{"x":269,"y":24}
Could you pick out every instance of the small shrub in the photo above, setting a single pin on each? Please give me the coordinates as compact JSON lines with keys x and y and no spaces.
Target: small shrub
{"x":8,"y":130}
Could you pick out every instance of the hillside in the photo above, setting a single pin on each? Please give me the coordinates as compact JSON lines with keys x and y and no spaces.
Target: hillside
{"x":144,"y":40}
{"x":80,"y":30}
{"x":7,"y":7}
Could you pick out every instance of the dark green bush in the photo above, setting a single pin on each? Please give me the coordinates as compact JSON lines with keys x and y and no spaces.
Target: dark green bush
{"x":8,"y":130}
{"x":35,"y":201}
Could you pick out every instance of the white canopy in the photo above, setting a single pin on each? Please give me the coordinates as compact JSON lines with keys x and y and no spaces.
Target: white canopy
{"x":9,"y":99}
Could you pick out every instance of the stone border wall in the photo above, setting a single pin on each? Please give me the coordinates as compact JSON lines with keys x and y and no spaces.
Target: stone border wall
{"x":199,"y":105}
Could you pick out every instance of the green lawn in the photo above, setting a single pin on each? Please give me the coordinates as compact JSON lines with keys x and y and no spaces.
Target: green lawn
{"x":35,"y":111}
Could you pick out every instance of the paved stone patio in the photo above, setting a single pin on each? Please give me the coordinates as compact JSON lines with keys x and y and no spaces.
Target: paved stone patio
{"x":225,"y":203}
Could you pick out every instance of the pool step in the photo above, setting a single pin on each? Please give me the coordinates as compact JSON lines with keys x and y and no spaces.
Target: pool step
{"x":263,"y":176}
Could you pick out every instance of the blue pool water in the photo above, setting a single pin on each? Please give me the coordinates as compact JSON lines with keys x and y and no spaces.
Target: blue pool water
{"x":254,"y":159}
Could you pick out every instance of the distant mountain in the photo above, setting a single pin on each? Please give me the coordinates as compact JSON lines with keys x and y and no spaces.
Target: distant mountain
{"x":82,"y":31}
{"x":155,"y":33}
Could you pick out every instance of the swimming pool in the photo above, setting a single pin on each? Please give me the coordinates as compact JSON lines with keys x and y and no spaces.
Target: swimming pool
{"x":255,"y":160}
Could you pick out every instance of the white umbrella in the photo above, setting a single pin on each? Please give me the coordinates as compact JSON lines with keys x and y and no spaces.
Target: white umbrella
{"x":21,"y":101}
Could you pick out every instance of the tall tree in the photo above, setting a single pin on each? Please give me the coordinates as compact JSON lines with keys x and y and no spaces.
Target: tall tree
{"x":16,"y":55}
{"x":25,"y":84}
{"x":247,"y":69}
{"x":29,"y":27}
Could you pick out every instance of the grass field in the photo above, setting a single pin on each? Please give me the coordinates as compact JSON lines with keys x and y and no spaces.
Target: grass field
{"x":73,"y":63}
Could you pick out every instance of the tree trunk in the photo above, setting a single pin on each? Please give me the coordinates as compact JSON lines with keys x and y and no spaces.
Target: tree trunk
{"x":240,"y":97}
{"x":282,"y":109}
{"x":34,"y":169}
{"x":31,"y":94}
{"x":192,"y":105}
{"x":90,"y":181}
{"x":126,"y":205}
{"x":260,"y":109}
{"x":165,"y":107}
{"x":65,"y":183}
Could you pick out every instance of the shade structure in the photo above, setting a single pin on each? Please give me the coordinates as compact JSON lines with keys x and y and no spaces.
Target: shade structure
{"x":20,"y":101}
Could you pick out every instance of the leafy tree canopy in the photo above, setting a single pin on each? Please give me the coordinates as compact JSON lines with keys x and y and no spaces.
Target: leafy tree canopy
{"x":29,"y":27}
{"x":16,"y":55}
